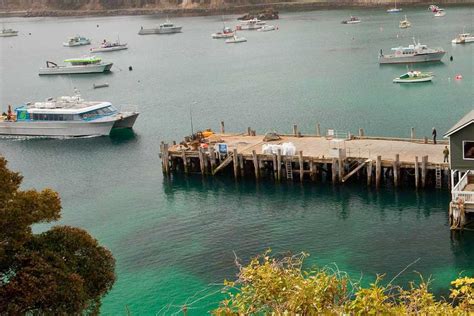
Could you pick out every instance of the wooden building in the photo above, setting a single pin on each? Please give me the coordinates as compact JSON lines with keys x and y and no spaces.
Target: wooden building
{"x":461,"y":161}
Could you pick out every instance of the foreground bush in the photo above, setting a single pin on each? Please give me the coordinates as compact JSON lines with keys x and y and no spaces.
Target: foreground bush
{"x":63,"y":271}
{"x":280,"y":287}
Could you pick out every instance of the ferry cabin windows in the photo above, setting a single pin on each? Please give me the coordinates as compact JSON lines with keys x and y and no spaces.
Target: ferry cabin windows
{"x":52,"y":117}
{"x":468,"y":149}
{"x":98,"y":113}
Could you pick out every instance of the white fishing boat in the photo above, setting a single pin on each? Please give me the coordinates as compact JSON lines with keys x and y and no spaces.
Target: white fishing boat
{"x":463,"y":38}
{"x":433,"y":8}
{"x":440,"y":13}
{"x":415,"y":53}
{"x":67,"y":116}
{"x":82,"y":65}
{"x":404,"y":24}
{"x":414,"y":77}
{"x":77,"y":41}
{"x":227,"y":32}
{"x":165,"y":28}
{"x":109,"y":47}
{"x":235,"y":39}
{"x":352,"y":20}
{"x":395,"y":9}
{"x":8,"y":32}
{"x":267,"y":28}
{"x":251,"y":25}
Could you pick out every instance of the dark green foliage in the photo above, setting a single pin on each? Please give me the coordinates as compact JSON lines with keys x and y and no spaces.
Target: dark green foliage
{"x":61,"y":271}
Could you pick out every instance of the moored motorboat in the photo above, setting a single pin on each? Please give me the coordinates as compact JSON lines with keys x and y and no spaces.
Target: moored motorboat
{"x":414,"y":77}
{"x":433,"y":8}
{"x":235,"y":39}
{"x":394,"y":9}
{"x":77,"y":41}
{"x":8,"y":33}
{"x":267,"y":28}
{"x":415,"y":53}
{"x":67,"y":116}
{"x":440,"y":13}
{"x":404,"y":23}
{"x":227,"y":32}
{"x":82,"y":65}
{"x":164,"y":28}
{"x":250,"y":25}
{"x":352,"y":20}
{"x":463,"y":38}
{"x":109,"y":47}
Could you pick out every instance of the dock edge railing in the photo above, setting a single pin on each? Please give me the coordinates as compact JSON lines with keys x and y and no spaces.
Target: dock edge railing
{"x":458,"y":192}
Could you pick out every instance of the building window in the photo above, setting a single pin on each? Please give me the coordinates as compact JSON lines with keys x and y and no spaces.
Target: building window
{"x":468,"y":149}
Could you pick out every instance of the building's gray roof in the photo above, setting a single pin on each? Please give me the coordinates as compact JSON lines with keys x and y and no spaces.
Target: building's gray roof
{"x":465,"y":121}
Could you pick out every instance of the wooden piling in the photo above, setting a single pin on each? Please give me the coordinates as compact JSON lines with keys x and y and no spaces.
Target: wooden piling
{"x":378,"y":171}
{"x":333,"y":170}
{"x":212,"y":156}
{"x":222,"y":127}
{"x":340,"y":168}
{"x":311,"y":170}
{"x":369,"y":173}
{"x":301,"y":163}
{"x":396,"y":170}
{"x":424,"y":162}
{"x":255,"y":164}
{"x":166,"y":159}
{"x":279,"y":164}
{"x":201,"y":161}
{"x":417,"y":172}
{"x":235,"y":163}
{"x":275,"y":169}
{"x":241,"y":164}
{"x":185,"y":161}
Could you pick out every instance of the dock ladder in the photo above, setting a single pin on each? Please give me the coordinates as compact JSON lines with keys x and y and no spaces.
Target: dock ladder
{"x":439,"y":182}
{"x":289,"y":170}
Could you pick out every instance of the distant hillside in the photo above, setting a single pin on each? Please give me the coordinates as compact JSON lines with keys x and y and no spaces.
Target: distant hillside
{"x":84,"y":7}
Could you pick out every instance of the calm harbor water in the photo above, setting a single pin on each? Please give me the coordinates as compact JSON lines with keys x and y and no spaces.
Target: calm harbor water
{"x":173,"y":239}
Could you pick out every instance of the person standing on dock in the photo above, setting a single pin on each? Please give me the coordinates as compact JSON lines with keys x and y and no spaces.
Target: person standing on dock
{"x":434,"y":135}
{"x":446,"y":154}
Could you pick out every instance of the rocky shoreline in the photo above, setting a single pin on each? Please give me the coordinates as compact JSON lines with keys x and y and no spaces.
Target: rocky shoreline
{"x":229,"y":9}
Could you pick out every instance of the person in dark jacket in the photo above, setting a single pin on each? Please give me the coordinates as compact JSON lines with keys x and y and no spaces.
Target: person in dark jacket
{"x":446,"y":154}
{"x":434,"y":135}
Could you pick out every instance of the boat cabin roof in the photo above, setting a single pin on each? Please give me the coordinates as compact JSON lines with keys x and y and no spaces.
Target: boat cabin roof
{"x":90,"y":60}
{"x":64,"y":105}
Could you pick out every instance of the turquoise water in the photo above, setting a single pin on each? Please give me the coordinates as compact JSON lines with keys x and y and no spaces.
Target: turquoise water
{"x":174,"y":239}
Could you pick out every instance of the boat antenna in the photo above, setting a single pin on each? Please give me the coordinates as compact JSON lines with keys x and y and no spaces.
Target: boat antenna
{"x":191,"y":117}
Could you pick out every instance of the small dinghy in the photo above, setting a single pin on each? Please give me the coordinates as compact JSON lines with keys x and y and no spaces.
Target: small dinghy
{"x":100,"y":85}
{"x":267,"y":28}
{"x":352,"y":20}
{"x":440,"y":13}
{"x":414,"y":77}
{"x":226,"y":33}
{"x":235,"y":39}
{"x":404,"y":24}
{"x":109,"y":47}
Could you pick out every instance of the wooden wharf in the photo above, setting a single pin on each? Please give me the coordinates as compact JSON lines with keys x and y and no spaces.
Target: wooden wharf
{"x":410,"y":161}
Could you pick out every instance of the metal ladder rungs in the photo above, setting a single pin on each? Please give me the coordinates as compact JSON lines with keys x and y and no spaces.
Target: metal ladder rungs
{"x":289,"y":170}
{"x":439,"y":183}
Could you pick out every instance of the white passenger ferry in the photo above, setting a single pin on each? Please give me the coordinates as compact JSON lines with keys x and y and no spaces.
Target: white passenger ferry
{"x":67,"y":116}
